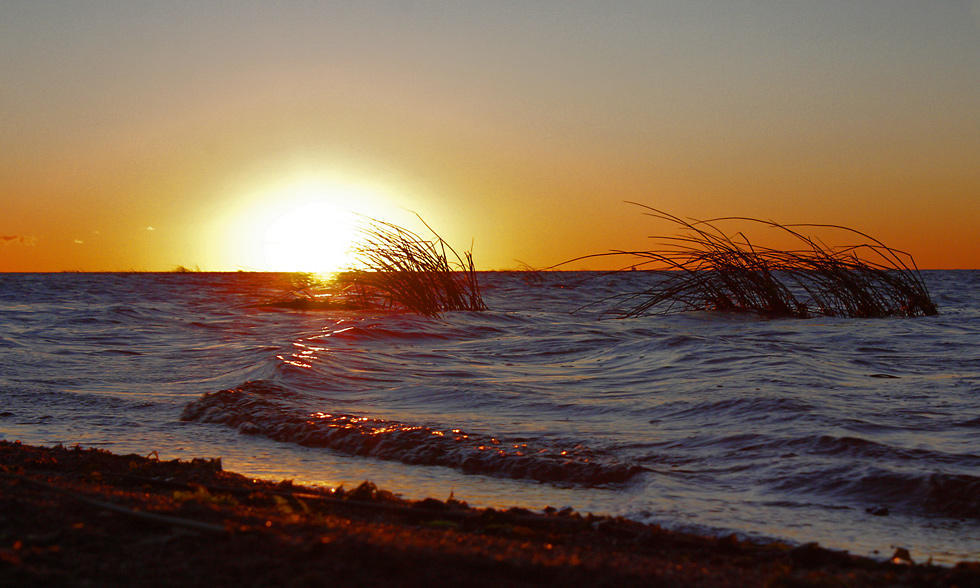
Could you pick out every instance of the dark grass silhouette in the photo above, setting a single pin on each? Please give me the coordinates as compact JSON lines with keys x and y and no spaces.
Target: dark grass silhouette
{"x":707,"y":268}
{"x":400,"y":269}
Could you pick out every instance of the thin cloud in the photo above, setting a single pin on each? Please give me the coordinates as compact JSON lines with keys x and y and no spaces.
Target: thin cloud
{"x":17,"y":240}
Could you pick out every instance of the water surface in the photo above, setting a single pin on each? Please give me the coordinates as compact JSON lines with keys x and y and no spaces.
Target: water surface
{"x":797,"y":430}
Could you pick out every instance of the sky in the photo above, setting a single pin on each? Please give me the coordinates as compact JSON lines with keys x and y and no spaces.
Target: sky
{"x":240,"y":135}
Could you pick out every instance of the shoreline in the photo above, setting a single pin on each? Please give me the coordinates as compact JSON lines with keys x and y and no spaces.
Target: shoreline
{"x":86,"y":517}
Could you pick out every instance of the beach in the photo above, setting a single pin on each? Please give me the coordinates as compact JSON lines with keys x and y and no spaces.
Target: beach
{"x":88,"y":517}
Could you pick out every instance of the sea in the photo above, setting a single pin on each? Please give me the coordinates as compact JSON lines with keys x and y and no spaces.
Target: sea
{"x":858,"y":434}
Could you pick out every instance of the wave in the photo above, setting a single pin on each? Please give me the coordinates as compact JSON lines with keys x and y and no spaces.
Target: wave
{"x":956,"y":496}
{"x":264,"y":408}
{"x":877,"y":487}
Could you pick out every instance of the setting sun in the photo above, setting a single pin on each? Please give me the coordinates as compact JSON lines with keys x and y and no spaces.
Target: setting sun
{"x":305,"y":225}
{"x":312,"y":237}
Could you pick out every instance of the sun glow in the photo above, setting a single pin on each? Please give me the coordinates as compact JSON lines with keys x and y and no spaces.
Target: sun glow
{"x":312,"y":237}
{"x":303,"y":226}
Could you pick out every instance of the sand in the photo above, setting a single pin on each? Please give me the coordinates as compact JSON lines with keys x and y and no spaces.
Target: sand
{"x":85,"y":517}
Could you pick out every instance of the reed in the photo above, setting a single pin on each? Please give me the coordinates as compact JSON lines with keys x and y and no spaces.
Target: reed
{"x":401,"y":269}
{"x":714,"y":270}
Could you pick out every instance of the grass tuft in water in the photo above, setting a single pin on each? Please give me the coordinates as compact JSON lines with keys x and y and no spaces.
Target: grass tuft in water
{"x":707,"y":268}
{"x":400,"y":269}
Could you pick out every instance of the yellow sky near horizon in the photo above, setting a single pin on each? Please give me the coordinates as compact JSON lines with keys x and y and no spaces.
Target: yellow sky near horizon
{"x":143,"y":136}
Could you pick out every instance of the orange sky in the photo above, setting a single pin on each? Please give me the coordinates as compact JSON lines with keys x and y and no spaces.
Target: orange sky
{"x":142,"y":138}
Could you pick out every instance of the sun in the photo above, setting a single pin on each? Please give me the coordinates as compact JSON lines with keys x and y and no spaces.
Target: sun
{"x":307,"y":223}
{"x":301,"y":225}
{"x":314,"y":236}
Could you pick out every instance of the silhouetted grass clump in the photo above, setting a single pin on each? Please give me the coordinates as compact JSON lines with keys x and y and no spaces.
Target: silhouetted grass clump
{"x":404,"y":270}
{"x":181,"y":269}
{"x":715,"y":270}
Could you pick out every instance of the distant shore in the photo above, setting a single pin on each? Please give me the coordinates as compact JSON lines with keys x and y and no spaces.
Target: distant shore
{"x":86,"y":517}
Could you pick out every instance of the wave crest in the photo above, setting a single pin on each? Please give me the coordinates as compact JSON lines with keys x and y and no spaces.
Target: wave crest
{"x":263,"y":408}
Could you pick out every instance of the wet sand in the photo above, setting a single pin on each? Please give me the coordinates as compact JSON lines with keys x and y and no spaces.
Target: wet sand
{"x":85,"y":517}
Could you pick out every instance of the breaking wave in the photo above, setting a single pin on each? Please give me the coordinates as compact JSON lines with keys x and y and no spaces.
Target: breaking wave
{"x":267,"y":409}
